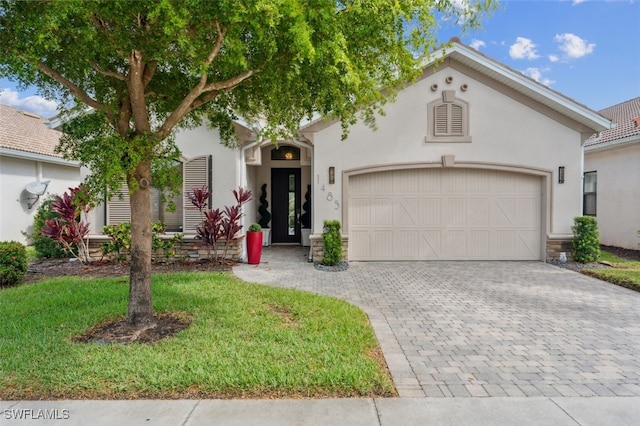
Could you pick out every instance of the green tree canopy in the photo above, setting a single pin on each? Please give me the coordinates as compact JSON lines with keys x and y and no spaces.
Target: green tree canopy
{"x":146,"y":68}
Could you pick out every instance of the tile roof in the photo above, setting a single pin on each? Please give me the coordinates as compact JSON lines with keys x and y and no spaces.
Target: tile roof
{"x":626,"y":123}
{"x":27,"y":132}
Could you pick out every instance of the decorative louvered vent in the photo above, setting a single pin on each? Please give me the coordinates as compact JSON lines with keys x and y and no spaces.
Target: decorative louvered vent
{"x":196,"y":175}
{"x":118,"y":210}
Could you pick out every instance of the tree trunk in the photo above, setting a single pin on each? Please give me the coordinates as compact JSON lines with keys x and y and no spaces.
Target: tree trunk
{"x":140,"y":301}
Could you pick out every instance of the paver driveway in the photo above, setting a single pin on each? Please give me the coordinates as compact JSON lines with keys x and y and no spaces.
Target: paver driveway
{"x":483,"y":328}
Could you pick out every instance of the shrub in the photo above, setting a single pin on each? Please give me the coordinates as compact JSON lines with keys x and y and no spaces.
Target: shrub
{"x":120,"y":242}
{"x":13,"y":262}
{"x":255,"y":227}
{"x":265,"y":216}
{"x":586,"y":239}
{"x":45,"y":247}
{"x":332,"y":243}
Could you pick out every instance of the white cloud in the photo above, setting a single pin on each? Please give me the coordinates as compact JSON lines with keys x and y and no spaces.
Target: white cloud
{"x":536,"y":74}
{"x":554,"y":58}
{"x":573,"y":46}
{"x":477,"y":44}
{"x":575,"y":2}
{"x":35,"y":104}
{"x":523,"y":48}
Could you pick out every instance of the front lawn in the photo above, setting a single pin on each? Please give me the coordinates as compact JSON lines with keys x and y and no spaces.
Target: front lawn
{"x":245,"y":340}
{"x":623,"y":272}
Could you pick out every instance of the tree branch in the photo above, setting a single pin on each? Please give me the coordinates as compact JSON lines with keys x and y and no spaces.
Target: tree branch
{"x":149,"y":71}
{"x":74,"y":89}
{"x":115,"y":75}
{"x":229,"y":83}
{"x":136,"y":92}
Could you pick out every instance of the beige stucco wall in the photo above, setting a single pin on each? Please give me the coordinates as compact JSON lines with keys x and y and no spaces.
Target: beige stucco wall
{"x":15,"y":173}
{"x":504,"y":131}
{"x":618,"y":194}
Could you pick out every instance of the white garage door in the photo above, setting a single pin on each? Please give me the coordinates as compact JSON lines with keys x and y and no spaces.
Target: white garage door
{"x":444,"y":213}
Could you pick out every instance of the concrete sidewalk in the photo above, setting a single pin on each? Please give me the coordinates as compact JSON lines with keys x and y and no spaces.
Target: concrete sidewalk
{"x":593,"y":411}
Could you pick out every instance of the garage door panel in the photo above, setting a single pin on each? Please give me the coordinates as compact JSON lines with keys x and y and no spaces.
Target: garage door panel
{"x":360,"y":212}
{"x":478,"y":212}
{"x":430,"y":247}
{"x":430,"y":209}
{"x":360,"y":245}
{"x":454,"y":212}
{"x":478,"y":244}
{"x":444,"y":214}
{"x":382,"y":212}
{"x":382,"y":244}
{"x":406,"y":212}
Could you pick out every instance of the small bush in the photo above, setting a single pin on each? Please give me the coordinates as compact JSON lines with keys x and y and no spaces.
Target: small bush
{"x":255,"y":227}
{"x":46,"y":247}
{"x":586,"y":239}
{"x":332,"y":243}
{"x":13,"y":262}
{"x":120,"y":242}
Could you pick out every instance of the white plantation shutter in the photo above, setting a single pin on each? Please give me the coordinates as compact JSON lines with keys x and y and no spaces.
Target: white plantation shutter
{"x":118,"y":208}
{"x":196,"y":173}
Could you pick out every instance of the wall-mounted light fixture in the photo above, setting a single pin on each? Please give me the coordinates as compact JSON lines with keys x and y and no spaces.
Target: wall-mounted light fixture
{"x":332,"y":175}
{"x":561,"y":174}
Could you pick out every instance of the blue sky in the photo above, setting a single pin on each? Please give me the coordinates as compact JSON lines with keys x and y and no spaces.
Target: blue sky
{"x":588,"y":50}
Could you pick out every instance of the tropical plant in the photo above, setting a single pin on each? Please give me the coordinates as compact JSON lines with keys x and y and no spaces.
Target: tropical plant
{"x":218,"y":224}
{"x":45,"y":247}
{"x":69,"y":230}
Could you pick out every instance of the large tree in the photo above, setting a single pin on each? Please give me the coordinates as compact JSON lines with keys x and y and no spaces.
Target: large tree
{"x":130,"y":73}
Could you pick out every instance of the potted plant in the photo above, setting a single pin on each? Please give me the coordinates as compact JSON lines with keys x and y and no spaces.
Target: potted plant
{"x":265,"y":216}
{"x":254,"y":244}
{"x":305,"y":219}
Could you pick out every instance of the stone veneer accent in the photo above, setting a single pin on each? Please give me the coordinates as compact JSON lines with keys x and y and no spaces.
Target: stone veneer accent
{"x":556,"y":246}
{"x":189,"y":249}
{"x":317,"y":249}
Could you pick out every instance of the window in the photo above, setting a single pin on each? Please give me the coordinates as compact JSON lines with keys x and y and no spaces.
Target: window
{"x":589,"y":202}
{"x":185,"y":218}
{"x":448,"y":119}
{"x":286,"y":153}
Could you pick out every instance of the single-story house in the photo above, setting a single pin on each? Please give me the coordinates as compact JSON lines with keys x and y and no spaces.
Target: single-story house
{"x":29,"y":170}
{"x":472,"y":161}
{"x":612,"y":176}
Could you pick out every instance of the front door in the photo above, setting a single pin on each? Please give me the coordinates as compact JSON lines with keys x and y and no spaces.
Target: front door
{"x":285,"y":218}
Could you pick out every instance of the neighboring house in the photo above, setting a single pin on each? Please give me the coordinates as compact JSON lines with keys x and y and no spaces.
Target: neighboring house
{"x":612,"y":176}
{"x":473,"y":161}
{"x":27,"y":156}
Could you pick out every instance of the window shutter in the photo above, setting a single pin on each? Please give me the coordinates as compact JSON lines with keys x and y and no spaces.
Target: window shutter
{"x":456,"y":120}
{"x":196,"y":174}
{"x":118,"y":208}
{"x":440,"y":117}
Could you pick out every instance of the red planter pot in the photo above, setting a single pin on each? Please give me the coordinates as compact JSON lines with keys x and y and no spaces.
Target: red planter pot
{"x":254,"y":247}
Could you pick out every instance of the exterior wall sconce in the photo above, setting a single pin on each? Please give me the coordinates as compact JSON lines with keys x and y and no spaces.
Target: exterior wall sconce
{"x":332,"y":175}
{"x":561,"y":174}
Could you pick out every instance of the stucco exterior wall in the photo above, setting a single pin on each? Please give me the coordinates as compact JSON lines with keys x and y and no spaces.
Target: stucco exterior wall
{"x":15,"y":173}
{"x":618,"y":194}
{"x":504,"y":131}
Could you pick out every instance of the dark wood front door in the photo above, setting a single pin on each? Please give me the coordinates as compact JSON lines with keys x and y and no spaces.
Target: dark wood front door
{"x":285,"y":208}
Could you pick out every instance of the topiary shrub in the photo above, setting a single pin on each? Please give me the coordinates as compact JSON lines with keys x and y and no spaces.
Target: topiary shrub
{"x":45,"y":247}
{"x":265,"y":216}
{"x":586,"y":239}
{"x":13,"y":262}
{"x":332,"y":243}
{"x":305,"y":219}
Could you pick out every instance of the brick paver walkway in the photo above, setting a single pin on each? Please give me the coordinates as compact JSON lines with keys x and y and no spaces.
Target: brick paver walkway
{"x":469,"y":329}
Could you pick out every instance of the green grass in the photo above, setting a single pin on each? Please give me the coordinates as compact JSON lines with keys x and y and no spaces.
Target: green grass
{"x":238,"y":345}
{"x":623,"y":272}
{"x":31,"y":253}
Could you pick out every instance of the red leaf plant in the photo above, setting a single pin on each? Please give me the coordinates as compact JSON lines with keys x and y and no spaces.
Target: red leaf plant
{"x":69,"y":229}
{"x":216,"y":224}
